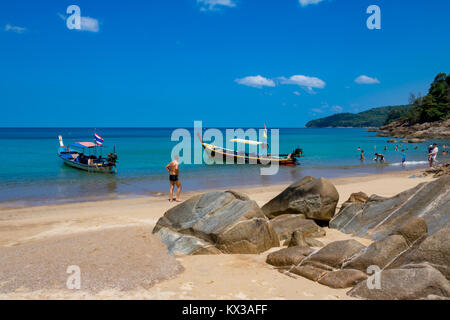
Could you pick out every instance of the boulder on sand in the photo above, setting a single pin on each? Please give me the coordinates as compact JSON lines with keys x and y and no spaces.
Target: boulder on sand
{"x":411,"y":282}
{"x":345,"y":278}
{"x":358,"y":197}
{"x":286,"y":224}
{"x":336,"y":253}
{"x":216,"y":222}
{"x":288,"y":256}
{"x":315,"y":198}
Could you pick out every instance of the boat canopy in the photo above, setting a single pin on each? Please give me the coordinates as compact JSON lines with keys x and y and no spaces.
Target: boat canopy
{"x":246,"y":141}
{"x":84,"y":145}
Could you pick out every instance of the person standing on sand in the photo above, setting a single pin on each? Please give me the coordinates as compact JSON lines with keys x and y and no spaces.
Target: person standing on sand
{"x":432,"y":155}
{"x":173,"y":169}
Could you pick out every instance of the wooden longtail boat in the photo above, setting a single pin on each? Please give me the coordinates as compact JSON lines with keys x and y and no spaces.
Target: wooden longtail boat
{"x":250,"y":158}
{"x":87,"y":156}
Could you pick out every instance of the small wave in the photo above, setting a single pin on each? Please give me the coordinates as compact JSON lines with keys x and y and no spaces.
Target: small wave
{"x":410,"y":163}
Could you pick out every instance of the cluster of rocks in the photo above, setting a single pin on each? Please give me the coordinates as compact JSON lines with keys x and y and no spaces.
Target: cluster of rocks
{"x":429,"y":130}
{"x":377,"y":217}
{"x":438,"y":171}
{"x":229,"y":222}
{"x":408,"y":264}
{"x":410,"y":253}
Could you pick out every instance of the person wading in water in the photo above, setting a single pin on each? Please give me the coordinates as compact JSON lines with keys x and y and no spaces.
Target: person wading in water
{"x":173,"y":169}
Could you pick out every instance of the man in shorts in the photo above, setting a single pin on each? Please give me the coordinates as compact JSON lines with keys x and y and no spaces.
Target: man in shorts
{"x":173,"y":169}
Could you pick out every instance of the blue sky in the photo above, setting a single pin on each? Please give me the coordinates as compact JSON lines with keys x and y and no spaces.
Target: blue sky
{"x":229,"y":63}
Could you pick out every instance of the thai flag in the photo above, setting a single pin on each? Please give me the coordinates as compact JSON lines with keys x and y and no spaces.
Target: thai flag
{"x":98,"y":139}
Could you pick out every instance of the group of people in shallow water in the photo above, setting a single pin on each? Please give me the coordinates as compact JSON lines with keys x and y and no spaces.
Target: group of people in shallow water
{"x":433,"y":151}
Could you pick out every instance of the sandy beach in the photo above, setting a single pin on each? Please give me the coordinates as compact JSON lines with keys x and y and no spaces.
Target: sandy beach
{"x":112,"y":242}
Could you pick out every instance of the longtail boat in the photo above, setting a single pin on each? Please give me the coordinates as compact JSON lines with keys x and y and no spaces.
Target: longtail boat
{"x":87,"y":156}
{"x":226,"y":155}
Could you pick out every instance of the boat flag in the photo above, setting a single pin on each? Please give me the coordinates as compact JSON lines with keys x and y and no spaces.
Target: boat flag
{"x":98,"y":139}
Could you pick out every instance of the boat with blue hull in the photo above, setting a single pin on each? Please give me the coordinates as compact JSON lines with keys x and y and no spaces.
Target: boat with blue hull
{"x":87,"y":156}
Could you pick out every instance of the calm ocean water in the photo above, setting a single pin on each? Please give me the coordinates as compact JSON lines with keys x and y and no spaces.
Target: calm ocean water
{"x":31,"y":172}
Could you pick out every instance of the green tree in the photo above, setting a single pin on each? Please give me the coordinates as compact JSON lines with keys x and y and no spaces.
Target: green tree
{"x":435,"y":105}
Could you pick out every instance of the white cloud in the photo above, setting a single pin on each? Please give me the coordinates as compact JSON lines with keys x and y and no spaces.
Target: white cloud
{"x":86,"y":23}
{"x":89,"y":24}
{"x":15,"y":29}
{"x":303,"y":81}
{"x":297,"y":93}
{"x":215,"y":4}
{"x":337,"y":109}
{"x":256,"y":81}
{"x":317,"y":110}
{"x":308,"y":2}
{"x":366,"y":80}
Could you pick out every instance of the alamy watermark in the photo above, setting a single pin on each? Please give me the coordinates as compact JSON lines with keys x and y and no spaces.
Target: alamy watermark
{"x":209,"y":147}
{"x":374,"y":21}
{"x":374,"y":281}
{"x":74,"y":20}
{"x":74,"y":280}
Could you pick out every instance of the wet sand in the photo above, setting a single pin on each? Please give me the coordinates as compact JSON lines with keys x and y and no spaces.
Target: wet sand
{"x":111,"y":241}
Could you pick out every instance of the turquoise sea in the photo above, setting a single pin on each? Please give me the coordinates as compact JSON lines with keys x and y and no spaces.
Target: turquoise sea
{"x":31,"y":173}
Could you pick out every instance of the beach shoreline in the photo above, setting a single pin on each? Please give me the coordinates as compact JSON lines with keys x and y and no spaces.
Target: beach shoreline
{"x":26,"y":203}
{"x":204,"y":277}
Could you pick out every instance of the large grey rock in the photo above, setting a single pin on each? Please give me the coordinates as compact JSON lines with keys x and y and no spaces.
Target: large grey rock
{"x":315,"y":198}
{"x":434,"y":250}
{"x":288,"y":256}
{"x":226,"y":221}
{"x":286,"y":224}
{"x":345,"y":278}
{"x":408,"y":283}
{"x":378,"y":217}
{"x":336,"y":253}
{"x":381,"y":253}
